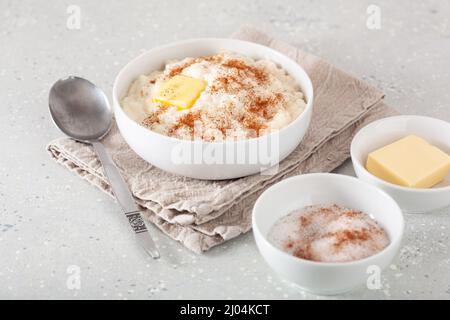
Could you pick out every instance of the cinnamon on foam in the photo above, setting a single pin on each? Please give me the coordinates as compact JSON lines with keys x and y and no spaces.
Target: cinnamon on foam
{"x":328,"y":234}
{"x":243,"y":99}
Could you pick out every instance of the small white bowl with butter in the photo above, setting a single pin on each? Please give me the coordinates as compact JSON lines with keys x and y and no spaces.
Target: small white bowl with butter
{"x":414,"y":130}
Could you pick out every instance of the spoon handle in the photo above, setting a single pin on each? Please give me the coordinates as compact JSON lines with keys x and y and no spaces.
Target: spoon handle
{"x":126,"y":200}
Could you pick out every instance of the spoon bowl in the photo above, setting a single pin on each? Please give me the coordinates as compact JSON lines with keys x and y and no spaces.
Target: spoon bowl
{"x":80,"y":109}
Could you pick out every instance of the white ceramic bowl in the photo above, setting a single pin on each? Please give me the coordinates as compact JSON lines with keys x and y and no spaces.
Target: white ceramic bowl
{"x":323,"y":189}
{"x":384,"y":131}
{"x":163,"y":151}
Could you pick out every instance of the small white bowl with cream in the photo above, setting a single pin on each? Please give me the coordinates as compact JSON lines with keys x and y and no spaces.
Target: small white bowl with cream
{"x":347,"y":231}
{"x":406,"y":156}
{"x":250,"y":104}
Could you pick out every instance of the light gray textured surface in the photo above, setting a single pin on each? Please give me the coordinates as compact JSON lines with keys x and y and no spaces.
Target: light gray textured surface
{"x":50,"y":220}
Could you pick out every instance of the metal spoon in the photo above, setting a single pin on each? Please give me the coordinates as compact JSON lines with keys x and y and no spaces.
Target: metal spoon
{"x":81,"y":110}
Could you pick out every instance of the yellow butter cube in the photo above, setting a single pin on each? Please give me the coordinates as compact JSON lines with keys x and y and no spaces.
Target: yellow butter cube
{"x":180,"y":91}
{"x":409,"y":162}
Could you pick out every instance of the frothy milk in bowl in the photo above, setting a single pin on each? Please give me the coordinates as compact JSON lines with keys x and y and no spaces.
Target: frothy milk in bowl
{"x":328,"y":234}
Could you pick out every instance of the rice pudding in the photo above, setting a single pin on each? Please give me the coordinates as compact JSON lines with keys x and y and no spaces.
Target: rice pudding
{"x":328,"y":234}
{"x":224,"y":96}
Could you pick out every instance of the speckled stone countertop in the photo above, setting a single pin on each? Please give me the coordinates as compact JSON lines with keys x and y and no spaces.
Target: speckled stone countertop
{"x":53,"y":225}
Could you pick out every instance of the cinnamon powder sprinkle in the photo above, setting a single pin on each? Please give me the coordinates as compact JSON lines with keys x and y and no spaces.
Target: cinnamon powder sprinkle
{"x":259,"y":74}
{"x":179,"y":69}
{"x":264,"y":107}
{"x":303,"y":252}
{"x":253,"y":125}
{"x":187,"y":120}
{"x":229,"y":84}
{"x":154,"y":117}
{"x":346,"y":236}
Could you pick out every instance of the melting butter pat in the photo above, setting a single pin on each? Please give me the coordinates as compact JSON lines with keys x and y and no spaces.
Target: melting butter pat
{"x":409,"y":162}
{"x":180,"y":91}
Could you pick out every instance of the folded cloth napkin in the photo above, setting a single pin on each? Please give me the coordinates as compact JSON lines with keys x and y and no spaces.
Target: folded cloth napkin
{"x":201,"y":214}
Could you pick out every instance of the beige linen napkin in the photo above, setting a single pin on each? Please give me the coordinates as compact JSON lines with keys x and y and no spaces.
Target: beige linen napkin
{"x":201,"y":214}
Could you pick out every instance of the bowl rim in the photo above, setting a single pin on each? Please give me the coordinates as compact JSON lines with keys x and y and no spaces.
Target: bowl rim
{"x":358,"y":163}
{"x":308,"y":108}
{"x":392,"y":244}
